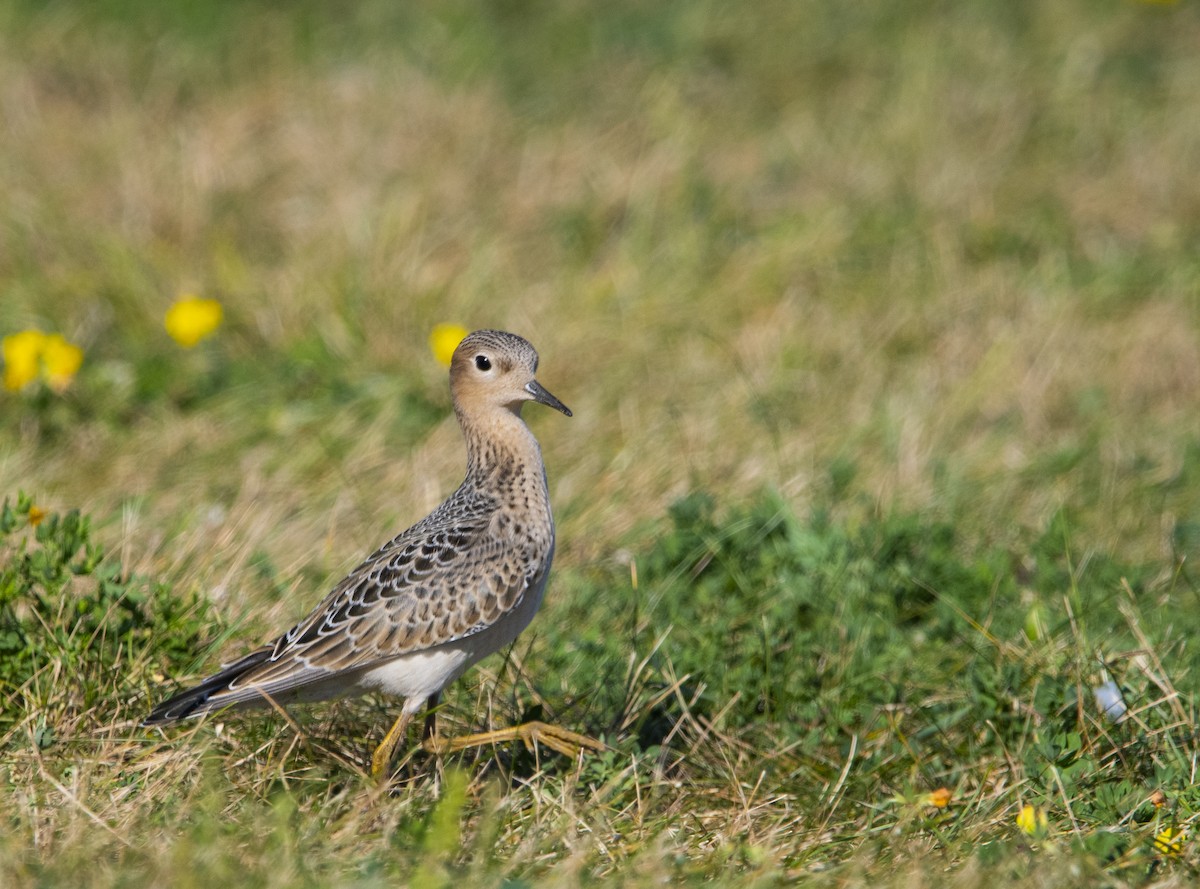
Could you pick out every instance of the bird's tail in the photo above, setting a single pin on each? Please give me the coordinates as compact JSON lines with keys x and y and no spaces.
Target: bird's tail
{"x":207,"y":696}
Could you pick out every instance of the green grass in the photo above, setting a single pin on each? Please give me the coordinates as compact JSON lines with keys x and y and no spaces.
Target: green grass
{"x":780,"y":695}
{"x":880,"y":324}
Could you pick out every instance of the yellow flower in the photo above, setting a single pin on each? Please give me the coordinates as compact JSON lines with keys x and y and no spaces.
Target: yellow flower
{"x":31,"y":354}
{"x":192,"y":319}
{"x":21,"y":353}
{"x":1170,"y":841}
{"x":444,"y":339}
{"x":61,"y":361}
{"x":1032,"y":820}
{"x":36,"y":515}
{"x":940,"y":797}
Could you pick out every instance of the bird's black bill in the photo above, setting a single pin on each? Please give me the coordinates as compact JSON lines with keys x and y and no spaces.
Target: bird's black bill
{"x":541,"y":396}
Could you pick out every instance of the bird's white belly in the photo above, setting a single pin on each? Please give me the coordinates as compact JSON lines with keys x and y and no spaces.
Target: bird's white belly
{"x":420,"y":674}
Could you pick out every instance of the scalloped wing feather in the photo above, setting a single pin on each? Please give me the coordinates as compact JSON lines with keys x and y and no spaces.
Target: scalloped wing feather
{"x":446,"y":578}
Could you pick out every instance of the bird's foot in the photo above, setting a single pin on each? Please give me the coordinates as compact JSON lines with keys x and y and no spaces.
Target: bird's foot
{"x":531,"y":734}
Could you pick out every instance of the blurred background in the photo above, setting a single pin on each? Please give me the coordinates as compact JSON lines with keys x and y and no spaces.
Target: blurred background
{"x":945,"y":253}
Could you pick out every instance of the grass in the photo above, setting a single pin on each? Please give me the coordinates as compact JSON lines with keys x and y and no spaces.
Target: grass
{"x":880,"y":327}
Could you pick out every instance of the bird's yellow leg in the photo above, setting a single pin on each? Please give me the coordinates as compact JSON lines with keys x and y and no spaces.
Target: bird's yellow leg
{"x":387,"y":749}
{"x":562,"y":740}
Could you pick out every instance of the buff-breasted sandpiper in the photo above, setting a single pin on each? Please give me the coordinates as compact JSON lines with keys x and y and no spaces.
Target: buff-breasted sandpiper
{"x":458,"y":585}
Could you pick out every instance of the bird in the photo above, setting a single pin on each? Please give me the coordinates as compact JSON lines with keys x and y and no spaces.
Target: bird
{"x":425,"y":606}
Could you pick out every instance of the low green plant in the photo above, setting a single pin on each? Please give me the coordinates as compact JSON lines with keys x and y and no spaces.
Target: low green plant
{"x":71,"y":616}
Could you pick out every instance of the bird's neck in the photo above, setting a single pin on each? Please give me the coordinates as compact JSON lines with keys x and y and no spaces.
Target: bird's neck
{"x":503,"y":457}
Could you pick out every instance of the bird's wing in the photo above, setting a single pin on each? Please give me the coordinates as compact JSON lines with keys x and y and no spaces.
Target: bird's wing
{"x":446,"y":578}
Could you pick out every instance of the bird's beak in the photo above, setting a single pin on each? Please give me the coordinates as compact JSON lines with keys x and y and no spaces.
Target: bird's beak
{"x":541,"y":396}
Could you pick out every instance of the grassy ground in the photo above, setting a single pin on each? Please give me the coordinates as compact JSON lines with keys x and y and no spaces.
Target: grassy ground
{"x":881,"y":323}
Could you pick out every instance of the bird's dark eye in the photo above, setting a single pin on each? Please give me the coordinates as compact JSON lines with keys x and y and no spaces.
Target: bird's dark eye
{"x":483,"y":362}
